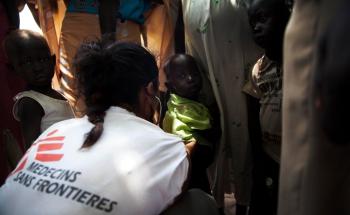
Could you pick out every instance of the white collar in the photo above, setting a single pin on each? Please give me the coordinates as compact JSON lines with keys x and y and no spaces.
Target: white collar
{"x":119,"y":110}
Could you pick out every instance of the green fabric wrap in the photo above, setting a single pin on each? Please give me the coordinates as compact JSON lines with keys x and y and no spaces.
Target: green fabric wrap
{"x":184,"y":116}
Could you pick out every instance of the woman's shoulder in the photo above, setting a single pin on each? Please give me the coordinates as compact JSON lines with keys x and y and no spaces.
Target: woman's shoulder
{"x":138,"y":129}
{"x":71,"y":124}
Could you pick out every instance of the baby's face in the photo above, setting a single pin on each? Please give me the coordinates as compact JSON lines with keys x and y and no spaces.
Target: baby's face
{"x":185,"y":80}
{"x":35,"y":64}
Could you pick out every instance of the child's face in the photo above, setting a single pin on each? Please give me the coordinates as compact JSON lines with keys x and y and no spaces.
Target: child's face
{"x":185,"y":80}
{"x":34,"y":63}
{"x":265,"y":22}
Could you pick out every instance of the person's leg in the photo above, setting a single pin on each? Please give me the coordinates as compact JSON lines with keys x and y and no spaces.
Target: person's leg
{"x":194,"y":202}
{"x":76,"y":28}
{"x":265,"y":187}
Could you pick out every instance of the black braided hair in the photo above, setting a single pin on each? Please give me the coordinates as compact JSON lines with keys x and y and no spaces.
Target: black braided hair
{"x":109,"y":76}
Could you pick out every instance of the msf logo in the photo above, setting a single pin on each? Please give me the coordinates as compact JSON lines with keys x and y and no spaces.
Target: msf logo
{"x":46,"y":150}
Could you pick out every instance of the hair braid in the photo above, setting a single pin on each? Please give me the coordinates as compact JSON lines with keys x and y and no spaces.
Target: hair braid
{"x":95,"y":116}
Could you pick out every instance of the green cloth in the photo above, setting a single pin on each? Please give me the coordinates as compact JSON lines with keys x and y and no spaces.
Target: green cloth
{"x":184,"y":116}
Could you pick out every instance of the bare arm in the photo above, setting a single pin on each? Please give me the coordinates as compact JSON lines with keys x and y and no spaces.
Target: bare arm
{"x":179,"y":33}
{"x":12,"y":13}
{"x":254,"y":128}
{"x":34,"y":11}
{"x":30,"y":113}
{"x":107,"y":16}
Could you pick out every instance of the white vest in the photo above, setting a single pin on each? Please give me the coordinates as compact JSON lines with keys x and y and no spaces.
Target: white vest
{"x":55,"y":110}
{"x":134,"y":168}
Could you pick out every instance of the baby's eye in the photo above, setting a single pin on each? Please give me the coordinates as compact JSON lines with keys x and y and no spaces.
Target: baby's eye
{"x":27,"y":61}
{"x":263,"y":18}
{"x":182,"y":75}
{"x":44,"y":59}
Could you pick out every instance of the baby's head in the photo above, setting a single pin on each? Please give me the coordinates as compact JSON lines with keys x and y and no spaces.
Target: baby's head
{"x":268,"y":19}
{"x":29,"y":55}
{"x":183,"y":76}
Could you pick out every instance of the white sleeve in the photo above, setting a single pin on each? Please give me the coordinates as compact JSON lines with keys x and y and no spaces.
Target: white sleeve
{"x":171,"y":169}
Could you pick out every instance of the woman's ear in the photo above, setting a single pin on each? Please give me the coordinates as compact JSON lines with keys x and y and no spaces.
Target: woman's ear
{"x":150,"y":89}
{"x":147,"y":103}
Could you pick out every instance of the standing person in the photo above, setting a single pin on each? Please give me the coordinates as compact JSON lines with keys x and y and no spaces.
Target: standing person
{"x":90,"y":19}
{"x":10,"y":85}
{"x":115,"y":159}
{"x":268,"y":20}
{"x":218,"y":36}
{"x":84,"y":19}
{"x":39,"y":106}
{"x":314,"y":177}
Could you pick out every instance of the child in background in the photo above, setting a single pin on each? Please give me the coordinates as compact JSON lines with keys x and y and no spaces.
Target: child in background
{"x":40,"y":106}
{"x":188,"y":118}
{"x":268,"y":19}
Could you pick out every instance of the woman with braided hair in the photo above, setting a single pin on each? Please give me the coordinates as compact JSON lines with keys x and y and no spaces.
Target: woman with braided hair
{"x":113,"y":160}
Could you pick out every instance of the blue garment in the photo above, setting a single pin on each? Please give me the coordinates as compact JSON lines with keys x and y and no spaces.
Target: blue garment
{"x":128,"y":10}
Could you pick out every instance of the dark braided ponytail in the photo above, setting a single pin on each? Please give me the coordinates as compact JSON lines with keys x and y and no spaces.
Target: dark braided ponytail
{"x":110,"y":76}
{"x":97,"y":118}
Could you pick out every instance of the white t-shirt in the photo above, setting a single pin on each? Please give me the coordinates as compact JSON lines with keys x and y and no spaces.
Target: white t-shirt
{"x":134,"y":168}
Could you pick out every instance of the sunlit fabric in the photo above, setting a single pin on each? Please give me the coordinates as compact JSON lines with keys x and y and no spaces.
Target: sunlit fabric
{"x":185,"y":116}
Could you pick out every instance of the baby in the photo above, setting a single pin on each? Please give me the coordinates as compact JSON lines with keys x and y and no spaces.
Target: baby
{"x":188,"y":118}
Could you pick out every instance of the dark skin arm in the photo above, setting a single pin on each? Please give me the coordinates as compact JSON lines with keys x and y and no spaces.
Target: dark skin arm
{"x":66,"y":2}
{"x":107,"y":17}
{"x":253,"y":107}
{"x":53,"y":5}
{"x":254,"y":129}
{"x":179,"y":33}
{"x":201,"y":155}
{"x":30,"y":113}
{"x":34,"y":12}
{"x":12,"y":13}
{"x":157,"y":1}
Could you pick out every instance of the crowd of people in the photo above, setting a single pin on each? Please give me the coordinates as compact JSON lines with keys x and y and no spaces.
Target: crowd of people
{"x":166,"y":106}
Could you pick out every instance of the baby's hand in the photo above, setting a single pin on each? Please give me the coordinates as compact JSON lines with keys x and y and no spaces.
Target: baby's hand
{"x":190,"y":145}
